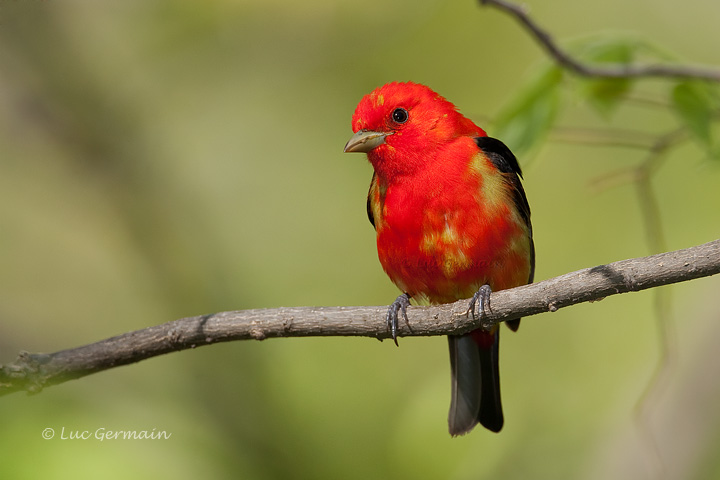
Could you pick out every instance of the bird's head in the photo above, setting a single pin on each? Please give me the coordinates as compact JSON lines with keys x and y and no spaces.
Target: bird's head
{"x":401,"y":125}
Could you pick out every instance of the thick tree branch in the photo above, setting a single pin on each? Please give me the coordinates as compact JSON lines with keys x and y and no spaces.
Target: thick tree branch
{"x":33,"y":371}
{"x":617,"y":71}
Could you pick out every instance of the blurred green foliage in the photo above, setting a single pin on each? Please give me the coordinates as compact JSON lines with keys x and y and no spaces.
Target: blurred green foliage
{"x":164,"y":159}
{"x":697,"y":105}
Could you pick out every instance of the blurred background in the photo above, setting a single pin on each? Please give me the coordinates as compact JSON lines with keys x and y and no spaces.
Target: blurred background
{"x":167,"y":159}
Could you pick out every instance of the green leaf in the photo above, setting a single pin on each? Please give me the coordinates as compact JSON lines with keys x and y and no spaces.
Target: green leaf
{"x":605,"y":94}
{"x":530,"y":115}
{"x":695,"y":103}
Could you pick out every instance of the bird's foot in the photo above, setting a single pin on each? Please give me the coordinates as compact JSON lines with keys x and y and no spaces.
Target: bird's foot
{"x":399,"y":305}
{"x":480,"y":302}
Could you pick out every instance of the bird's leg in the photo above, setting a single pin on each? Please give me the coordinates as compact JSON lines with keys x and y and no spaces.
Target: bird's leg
{"x":481,"y":300}
{"x":400,"y":304}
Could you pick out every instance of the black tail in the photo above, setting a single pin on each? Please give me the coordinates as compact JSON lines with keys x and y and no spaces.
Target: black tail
{"x":475,"y":385}
{"x":491,"y":414}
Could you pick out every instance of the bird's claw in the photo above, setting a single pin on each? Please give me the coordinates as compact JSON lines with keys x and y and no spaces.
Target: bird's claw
{"x":481,"y":300}
{"x":400,"y":304}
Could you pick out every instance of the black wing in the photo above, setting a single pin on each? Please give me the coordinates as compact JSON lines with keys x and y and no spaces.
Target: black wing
{"x":505,"y":161}
{"x":369,"y":207}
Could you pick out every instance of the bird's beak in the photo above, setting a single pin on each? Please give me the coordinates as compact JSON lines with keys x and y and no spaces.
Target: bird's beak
{"x":364,"y":141}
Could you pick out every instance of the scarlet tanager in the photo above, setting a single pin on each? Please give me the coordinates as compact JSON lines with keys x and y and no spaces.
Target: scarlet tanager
{"x":452,"y":222}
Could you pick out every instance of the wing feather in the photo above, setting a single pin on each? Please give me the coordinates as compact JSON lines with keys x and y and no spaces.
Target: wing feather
{"x":505,"y":161}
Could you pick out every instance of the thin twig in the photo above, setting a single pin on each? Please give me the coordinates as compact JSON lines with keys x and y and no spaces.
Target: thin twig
{"x":615,"y":71}
{"x":32,"y":372}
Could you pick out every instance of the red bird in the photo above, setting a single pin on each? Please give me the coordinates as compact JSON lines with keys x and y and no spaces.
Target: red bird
{"x":452,"y":222}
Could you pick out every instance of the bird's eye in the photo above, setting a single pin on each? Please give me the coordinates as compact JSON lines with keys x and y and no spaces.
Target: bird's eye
{"x":400,"y":115}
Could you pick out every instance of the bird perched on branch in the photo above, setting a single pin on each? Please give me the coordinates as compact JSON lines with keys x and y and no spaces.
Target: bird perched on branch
{"x":452,"y":222}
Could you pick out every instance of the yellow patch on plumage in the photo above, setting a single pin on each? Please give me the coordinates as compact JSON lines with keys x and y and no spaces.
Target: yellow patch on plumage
{"x":454,"y":262}
{"x":493,"y":187}
{"x":421,"y":299}
{"x":376,"y":205}
{"x":449,"y":234}
{"x":447,"y":245}
{"x":430,"y":242}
